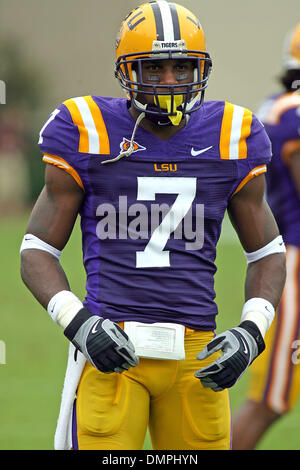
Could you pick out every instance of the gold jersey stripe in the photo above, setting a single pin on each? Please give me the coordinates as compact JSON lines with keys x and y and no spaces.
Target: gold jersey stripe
{"x":86,"y":115}
{"x":100,"y":125}
{"x":78,"y":121}
{"x":226,"y":131}
{"x":61,"y":163}
{"x":278,"y":394}
{"x":235,"y":129}
{"x":245,"y":132}
{"x":255,"y":172}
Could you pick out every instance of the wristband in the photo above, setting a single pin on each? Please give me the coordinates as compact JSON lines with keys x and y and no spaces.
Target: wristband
{"x":63,"y":307}
{"x":254,"y":331}
{"x":259,"y":311}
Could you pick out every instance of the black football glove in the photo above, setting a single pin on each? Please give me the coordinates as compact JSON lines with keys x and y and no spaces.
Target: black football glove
{"x":104,"y":344}
{"x":240,"y":346}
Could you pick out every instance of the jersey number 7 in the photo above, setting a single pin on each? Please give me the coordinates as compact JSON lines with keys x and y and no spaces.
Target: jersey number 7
{"x":154,"y":256}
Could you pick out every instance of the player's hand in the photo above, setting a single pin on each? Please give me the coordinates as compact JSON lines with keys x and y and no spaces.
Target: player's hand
{"x":240,"y":346}
{"x":104,"y":344}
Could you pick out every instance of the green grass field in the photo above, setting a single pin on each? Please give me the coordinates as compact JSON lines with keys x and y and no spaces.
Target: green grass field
{"x":36,"y":351}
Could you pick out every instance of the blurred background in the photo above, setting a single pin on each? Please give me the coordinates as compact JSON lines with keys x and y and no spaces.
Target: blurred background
{"x":51,"y":51}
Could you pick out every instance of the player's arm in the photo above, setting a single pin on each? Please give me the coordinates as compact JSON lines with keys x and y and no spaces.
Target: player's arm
{"x":256,"y":227}
{"x":102,"y":342}
{"x":51,"y":221}
{"x":264,"y":248}
{"x":294,"y":166}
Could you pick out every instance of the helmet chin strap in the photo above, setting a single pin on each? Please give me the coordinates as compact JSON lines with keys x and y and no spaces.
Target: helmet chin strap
{"x":165,"y":102}
{"x":127,"y":153}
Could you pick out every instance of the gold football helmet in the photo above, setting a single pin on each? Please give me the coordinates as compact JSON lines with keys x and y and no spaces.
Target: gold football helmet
{"x":162,"y":30}
{"x":291,"y":49}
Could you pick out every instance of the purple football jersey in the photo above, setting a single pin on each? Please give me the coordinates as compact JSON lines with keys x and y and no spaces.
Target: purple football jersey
{"x":281,"y":117}
{"x":151,"y":221}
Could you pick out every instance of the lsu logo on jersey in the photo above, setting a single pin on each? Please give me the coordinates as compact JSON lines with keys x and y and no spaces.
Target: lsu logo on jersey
{"x":165,"y":166}
{"x":125,"y":144}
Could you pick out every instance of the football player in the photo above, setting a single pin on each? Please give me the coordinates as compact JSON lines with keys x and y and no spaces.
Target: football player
{"x":151,"y":176}
{"x":275,"y":377}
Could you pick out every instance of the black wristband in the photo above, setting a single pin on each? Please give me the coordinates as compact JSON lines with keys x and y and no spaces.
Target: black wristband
{"x":83,"y":315}
{"x":254,"y":331}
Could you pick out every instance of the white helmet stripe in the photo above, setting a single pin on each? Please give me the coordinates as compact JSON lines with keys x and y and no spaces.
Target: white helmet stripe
{"x":167,"y":21}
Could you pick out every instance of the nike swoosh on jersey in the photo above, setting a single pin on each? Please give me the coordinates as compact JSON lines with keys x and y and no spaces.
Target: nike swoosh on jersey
{"x":198,"y":152}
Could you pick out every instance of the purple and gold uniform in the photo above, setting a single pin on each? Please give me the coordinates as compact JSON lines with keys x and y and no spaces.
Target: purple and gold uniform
{"x":161,"y":274}
{"x":275,"y":377}
{"x":176,"y":286}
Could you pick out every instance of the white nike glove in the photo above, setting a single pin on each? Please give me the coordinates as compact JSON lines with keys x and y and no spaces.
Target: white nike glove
{"x":240,"y":346}
{"x":104,"y":344}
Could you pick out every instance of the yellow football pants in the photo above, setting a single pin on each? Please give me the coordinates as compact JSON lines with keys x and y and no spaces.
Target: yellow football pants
{"x":113,"y":411}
